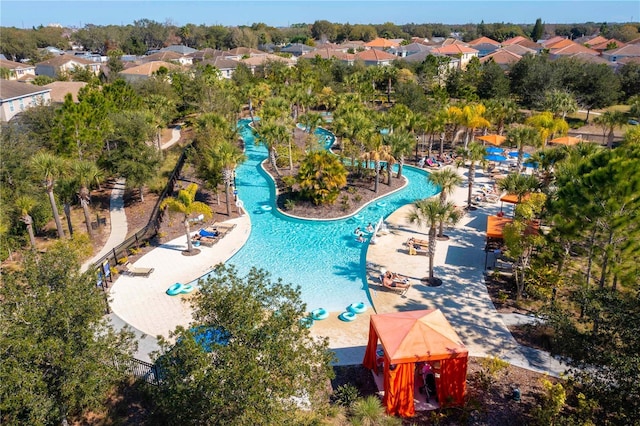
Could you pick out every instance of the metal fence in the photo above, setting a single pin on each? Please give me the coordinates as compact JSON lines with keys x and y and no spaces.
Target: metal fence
{"x":149,"y":231}
{"x":142,"y":370}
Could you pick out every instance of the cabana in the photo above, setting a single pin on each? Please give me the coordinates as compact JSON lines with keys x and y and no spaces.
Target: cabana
{"x":411,"y":337}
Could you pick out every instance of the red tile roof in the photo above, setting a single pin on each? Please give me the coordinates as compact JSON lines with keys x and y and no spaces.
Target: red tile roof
{"x":513,"y":40}
{"x":454,"y":49}
{"x":381,"y":43}
{"x":596,"y":40}
{"x":482,"y":40}
{"x":501,"y":57}
{"x":571,"y":49}
{"x":375,"y":55}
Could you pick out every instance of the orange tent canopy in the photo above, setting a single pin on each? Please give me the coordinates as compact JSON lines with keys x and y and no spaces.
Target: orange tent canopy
{"x":493,"y":139}
{"x":513,"y":198}
{"x":416,"y":336}
{"x":495,"y":226}
{"x":566,"y":140}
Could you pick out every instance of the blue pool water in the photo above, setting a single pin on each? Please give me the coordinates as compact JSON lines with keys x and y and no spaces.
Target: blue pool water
{"x":323,"y":257}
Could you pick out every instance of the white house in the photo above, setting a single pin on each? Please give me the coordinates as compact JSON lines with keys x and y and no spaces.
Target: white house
{"x":16,"y":97}
{"x":63,"y":64}
{"x":18,"y":71}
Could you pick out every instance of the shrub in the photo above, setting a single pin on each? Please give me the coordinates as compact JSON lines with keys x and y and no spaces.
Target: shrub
{"x":346,"y":395}
{"x":123,"y":260}
{"x":490,"y":367}
{"x":289,"y":204}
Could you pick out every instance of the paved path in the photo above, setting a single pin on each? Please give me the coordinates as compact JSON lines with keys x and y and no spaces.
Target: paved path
{"x":175,"y":137}
{"x":117,"y":220}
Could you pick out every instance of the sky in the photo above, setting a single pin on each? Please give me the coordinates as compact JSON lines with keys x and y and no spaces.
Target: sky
{"x":29,"y":13}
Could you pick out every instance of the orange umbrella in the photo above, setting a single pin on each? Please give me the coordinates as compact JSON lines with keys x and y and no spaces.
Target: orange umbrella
{"x":496,"y":140}
{"x":566,"y":140}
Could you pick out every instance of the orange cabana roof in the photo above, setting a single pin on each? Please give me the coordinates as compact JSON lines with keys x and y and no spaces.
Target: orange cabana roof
{"x":566,"y":140}
{"x":417,"y":336}
{"x":495,"y":226}
{"x":493,"y":139}
{"x":513,"y":198}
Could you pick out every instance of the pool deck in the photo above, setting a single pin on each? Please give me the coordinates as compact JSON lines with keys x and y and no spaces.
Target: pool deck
{"x":459,"y":262}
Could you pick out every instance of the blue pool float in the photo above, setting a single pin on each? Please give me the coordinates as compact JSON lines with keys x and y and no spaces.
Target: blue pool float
{"x":266,"y":208}
{"x":175,"y":289}
{"x":357,"y":308}
{"x":358,"y":217}
{"x":186,"y":289}
{"x":381,"y":203}
{"x":319,"y":314}
{"x":347,"y":316}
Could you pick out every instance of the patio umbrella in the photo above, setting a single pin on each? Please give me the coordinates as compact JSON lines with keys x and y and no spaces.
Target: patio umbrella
{"x":495,"y":157}
{"x":494,"y":150}
{"x":566,"y":140}
{"x":493,"y":139}
{"x":515,"y":154}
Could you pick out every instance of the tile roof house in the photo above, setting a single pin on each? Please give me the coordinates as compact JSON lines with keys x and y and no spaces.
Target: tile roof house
{"x":513,"y":40}
{"x":207,"y":53}
{"x":503,"y":57}
{"x":409,"y":49}
{"x":486,"y":48}
{"x":255,"y":61}
{"x":297,"y":49}
{"x":568,"y":48}
{"x":375,"y":57}
{"x":60,"y":89}
{"x":355,"y":45}
{"x":381,"y":44}
{"x":178,"y":48}
{"x":546,"y":43}
{"x":226,"y":66}
{"x":456,"y":50}
{"x":241,"y":52}
{"x":483,"y":40}
{"x":326,"y":53}
{"x":18,"y":71}
{"x":628,"y":51}
{"x":168,"y":56}
{"x":519,"y":49}
{"x":606,"y":45}
{"x":592,"y":41}
{"x":62,"y":64}
{"x":16,"y":97}
{"x":145,"y":71}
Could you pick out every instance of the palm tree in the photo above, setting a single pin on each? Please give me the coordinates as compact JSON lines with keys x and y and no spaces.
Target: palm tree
{"x":311,"y":121}
{"x":501,"y":112}
{"x":473,"y":154}
{"x":519,"y":185}
{"x":429,"y":213}
{"x":521,"y":137}
{"x":49,"y":168}
{"x":185,"y":204}
{"x":377,"y":152}
{"x":609,"y":121}
{"x":272,"y":134}
{"x":447,"y":180}
{"x":225,"y":157}
{"x":560,"y":102}
{"x":321,"y":176}
{"x":470,"y":116}
{"x":401,"y":144}
{"x":85,"y":173}
{"x":25,"y":205}
{"x":547,"y":125}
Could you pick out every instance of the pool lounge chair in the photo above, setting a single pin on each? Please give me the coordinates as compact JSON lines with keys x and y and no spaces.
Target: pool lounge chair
{"x":399,"y":290}
{"x":138,"y":272}
{"x":432,"y":163}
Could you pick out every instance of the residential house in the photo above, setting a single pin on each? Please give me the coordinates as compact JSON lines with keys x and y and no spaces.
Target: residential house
{"x":502,"y":57}
{"x":568,"y":47}
{"x":409,"y":49}
{"x":628,"y":51}
{"x":178,"y":48}
{"x":52,"y":50}
{"x":326,"y":53}
{"x":297,"y":49}
{"x":16,"y":97}
{"x":483,"y":40}
{"x":354,"y":46}
{"x":457,"y":50}
{"x":524,"y":42}
{"x":607,"y":45}
{"x":18,"y":71}
{"x":254,"y":62}
{"x":381,"y":44}
{"x":592,"y":41}
{"x":243,"y":52}
{"x":63,"y":64}
{"x":485,"y":48}
{"x":519,"y":49}
{"x":204,"y":54}
{"x":145,"y":71}
{"x":226,"y":66}
{"x":375,"y":57}
{"x":169,"y":56}
{"x":60,"y":89}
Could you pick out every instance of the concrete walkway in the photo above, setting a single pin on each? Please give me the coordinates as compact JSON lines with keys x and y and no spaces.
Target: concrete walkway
{"x":117,"y":220}
{"x":459,"y":262}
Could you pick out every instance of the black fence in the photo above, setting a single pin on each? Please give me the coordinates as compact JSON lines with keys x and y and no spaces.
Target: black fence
{"x":102,"y":266}
{"x":142,"y":370}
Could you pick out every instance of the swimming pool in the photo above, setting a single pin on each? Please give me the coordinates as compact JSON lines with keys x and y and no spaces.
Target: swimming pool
{"x":323,"y":257}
